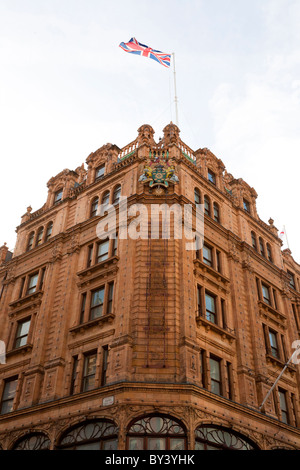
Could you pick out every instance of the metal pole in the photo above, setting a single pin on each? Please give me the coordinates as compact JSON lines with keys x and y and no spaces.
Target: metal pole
{"x":175,"y":91}
{"x":286,"y":237}
{"x":274,"y":384}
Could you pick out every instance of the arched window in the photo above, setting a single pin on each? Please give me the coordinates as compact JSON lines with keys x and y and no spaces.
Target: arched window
{"x":94,"y":207}
{"x":216,"y":212}
{"x":207,"y":210}
{"x":261,"y":246}
{"x":116,"y":195}
{"x":197,"y":196}
{"x":34,"y":441}
{"x":216,"y":438}
{"x":105,"y":198}
{"x":48,"y":231}
{"x":30,"y":241}
{"x":91,"y":435}
{"x":253,"y":239}
{"x":156,"y":433}
{"x":269,"y":253}
{"x":39,"y":236}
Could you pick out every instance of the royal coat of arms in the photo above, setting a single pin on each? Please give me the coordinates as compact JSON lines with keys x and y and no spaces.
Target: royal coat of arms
{"x":159,"y":171}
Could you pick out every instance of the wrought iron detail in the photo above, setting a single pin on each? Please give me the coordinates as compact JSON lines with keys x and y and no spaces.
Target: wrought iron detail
{"x":156,"y":425}
{"x":38,"y":441}
{"x":221,"y":439}
{"x":91,"y":431}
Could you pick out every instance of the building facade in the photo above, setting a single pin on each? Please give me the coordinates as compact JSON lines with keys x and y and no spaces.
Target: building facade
{"x":137,"y":342}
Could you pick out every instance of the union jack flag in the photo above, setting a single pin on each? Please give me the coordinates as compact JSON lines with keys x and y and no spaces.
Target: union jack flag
{"x":135,"y":47}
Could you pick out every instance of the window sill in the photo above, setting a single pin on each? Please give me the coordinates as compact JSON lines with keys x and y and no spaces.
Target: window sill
{"x":216,"y":274}
{"x":98,"y":270}
{"x":21,"y":350}
{"x":108,"y":318}
{"x":225,"y":333}
{"x":279,"y":362}
{"x":269,"y":312}
{"x":29,"y":301}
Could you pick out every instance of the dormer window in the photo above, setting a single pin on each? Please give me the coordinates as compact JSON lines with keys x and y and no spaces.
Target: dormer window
{"x":211,"y":176}
{"x":58,"y":196}
{"x":246,"y":205}
{"x":100,"y":172}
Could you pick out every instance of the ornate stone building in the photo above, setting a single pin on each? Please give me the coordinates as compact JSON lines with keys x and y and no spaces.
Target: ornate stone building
{"x":135,"y":343}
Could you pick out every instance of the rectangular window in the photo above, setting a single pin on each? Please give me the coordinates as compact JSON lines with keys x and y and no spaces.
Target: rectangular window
{"x":292,"y":280}
{"x":283,"y":406}
{"x":90,"y":255}
{"x":216,"y":213}
{"x":203,"y":368}
{"x":211,"y":177}
{"x":110,"y":297}
{"x":22,"y":333}
{"x":229,"y":380}
{"x":275,"y":299}
{"x":266,"y":294}
{"x":96,"y":310}
{"x":115,"y":246}
{"x":102,"y":253}
{"x":58,"y":196}
{"x":22,"y":287}
{"x":89,"y":372}
{"x":82,"y":309}
{"x":218,"y":261}
{"x":74,"y":374}
{"x":294,"y":308}
{"x":210,"y":303}
{"x":273,"y":343}
{"x":8,"y":396}
{"x":100,"y":172}
{"x":207,"y":255}
{"x":215,"y":375}
{"x":246,"y":205}
{"x":104,"y":364}
{"x":253,"y":239}
{"x":32,"y":283}
{"x":199,"y":302}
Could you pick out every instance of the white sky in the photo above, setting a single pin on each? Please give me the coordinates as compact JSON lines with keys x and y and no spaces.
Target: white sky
{"x":66,"y":89}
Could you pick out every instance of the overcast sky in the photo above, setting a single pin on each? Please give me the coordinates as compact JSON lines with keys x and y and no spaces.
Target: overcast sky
{"x":66,"y":89}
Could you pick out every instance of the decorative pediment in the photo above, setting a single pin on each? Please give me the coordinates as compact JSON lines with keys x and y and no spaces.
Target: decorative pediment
{"x":145,"y":136}
{"x":102,"y":155}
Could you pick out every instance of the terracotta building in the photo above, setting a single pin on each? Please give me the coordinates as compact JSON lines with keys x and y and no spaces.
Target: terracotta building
{"x":138,"y":342}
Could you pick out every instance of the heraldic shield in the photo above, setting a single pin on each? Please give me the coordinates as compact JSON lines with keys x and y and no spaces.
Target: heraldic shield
{"x":159,"y":172}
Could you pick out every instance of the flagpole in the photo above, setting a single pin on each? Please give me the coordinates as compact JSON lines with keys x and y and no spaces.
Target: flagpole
{"x":175,"y":91}
{"x":286,"y":237}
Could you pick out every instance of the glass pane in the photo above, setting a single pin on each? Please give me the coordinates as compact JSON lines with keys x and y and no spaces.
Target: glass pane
{"x":7,"y":407}
{"x":156,"y":424}
{"x":158,"y":443}
{"x":199,"y":446}
{"x":88,"y":446}
{"x":273,"y":340}
{"x":210,"y":303}
{"x":103,"y":251}
{"x":176,"y":444}
{"x":32,"y":282}
{"x":90,"y":365}
{"x":10,"y":389}
{"x":100,"y":171}
{"x":282,"y":401}
{"x":214,"y":369}
{"x":136,"y":443}
{"x":105,"y":199}
{"x":110,"y":445}
{"x":23,"y":328}
{"x":97,"y":297}
{"x":207,"y":255}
